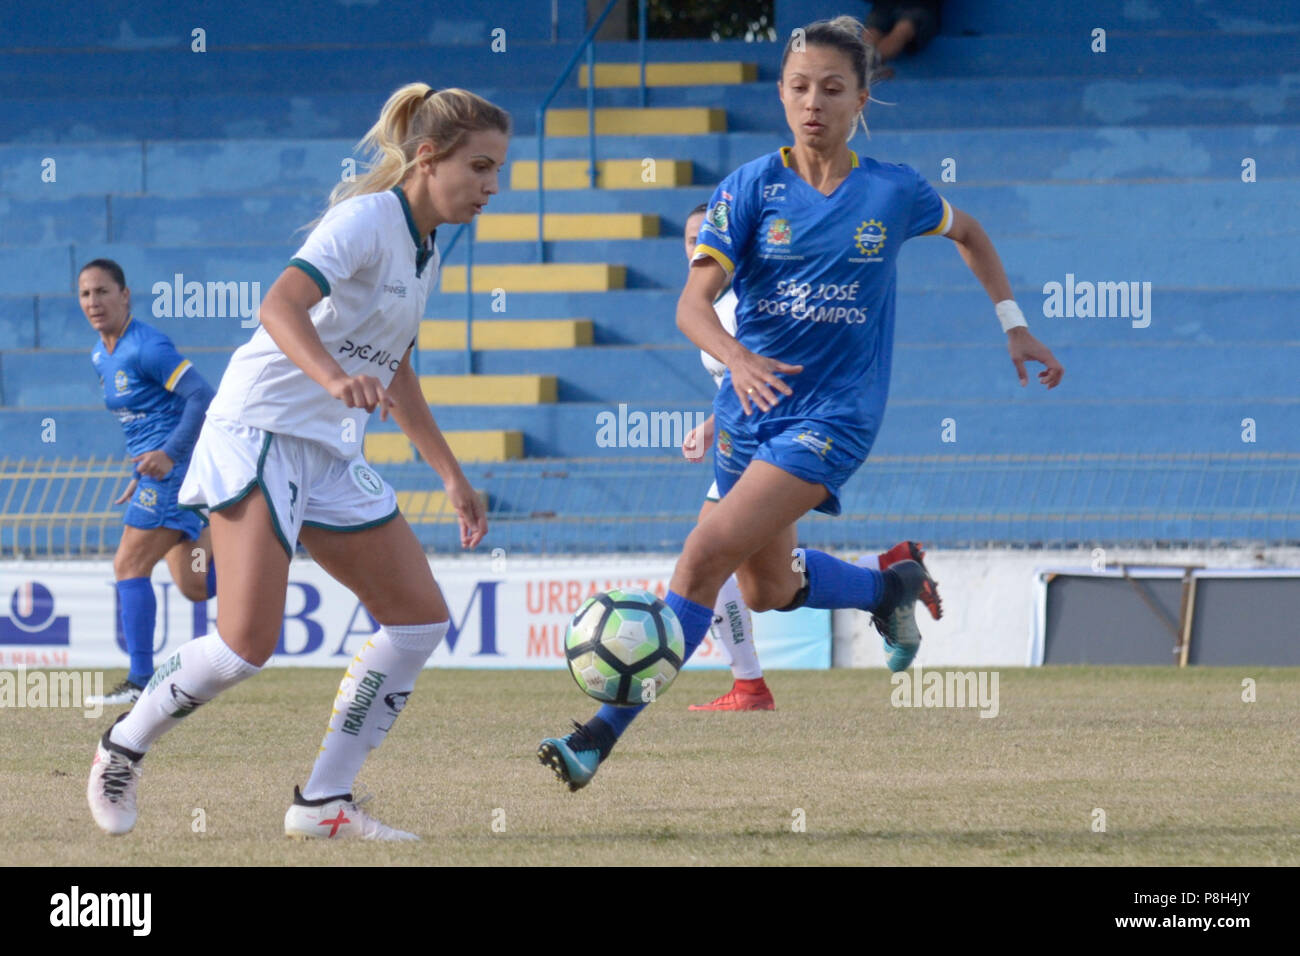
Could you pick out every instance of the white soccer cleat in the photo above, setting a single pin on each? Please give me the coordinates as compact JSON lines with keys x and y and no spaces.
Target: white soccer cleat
{"x":114,"y":778}
{"x":123,"y":693}
{"x":335,"y":819}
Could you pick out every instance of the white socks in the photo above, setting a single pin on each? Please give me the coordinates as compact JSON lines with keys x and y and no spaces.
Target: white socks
{"x":373,"y":692}
{"x":195,"y":674}
{"x":734,"y":631}
{"x":871,"y":561}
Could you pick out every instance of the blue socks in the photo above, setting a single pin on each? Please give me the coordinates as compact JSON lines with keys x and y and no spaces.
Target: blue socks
{"x":139,"y":609}
{"x":833,"y":583}
{"x":695,"y":620}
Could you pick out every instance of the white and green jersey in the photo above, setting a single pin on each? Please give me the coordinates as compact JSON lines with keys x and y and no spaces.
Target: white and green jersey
{"x":725,"y":306}
{"x":375,"y":273}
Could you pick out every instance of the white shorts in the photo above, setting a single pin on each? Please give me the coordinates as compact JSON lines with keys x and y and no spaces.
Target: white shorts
{"x":712,"y":493}
{"x":302,"y":481}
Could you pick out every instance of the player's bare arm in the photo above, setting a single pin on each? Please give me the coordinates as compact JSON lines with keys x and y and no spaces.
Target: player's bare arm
{"x":415,"y":419}
{"x":286,"y":319}
{"x":982,"y":259}
{"x":752,"y":376}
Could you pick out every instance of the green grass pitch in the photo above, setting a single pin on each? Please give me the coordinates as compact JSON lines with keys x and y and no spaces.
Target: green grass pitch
{"x":1184,"y":770}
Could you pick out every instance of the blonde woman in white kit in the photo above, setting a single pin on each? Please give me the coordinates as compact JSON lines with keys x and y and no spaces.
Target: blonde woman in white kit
{"x":279,"y":459}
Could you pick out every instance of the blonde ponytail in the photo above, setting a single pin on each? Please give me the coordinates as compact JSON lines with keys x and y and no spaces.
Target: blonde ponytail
{"x":413,"y":115}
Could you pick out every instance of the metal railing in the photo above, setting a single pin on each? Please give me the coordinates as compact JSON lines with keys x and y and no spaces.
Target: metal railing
{"x":52,"y":507}
{"x":586,"y":45}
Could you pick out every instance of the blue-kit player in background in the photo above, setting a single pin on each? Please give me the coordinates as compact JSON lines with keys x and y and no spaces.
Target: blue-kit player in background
{"x":160,"y":399}
{"x":809,"y":236}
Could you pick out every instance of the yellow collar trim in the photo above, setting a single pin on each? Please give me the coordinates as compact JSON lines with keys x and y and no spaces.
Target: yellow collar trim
{"x":786,"y":150}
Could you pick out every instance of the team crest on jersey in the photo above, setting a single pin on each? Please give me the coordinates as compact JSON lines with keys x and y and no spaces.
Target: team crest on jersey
{"x":778,"y":233}
{"x":870,"y":237}
{"x":120,"y":382}
{"x":724,"y":443}
{"x":367,"y":480}
{"x":719,"y":217}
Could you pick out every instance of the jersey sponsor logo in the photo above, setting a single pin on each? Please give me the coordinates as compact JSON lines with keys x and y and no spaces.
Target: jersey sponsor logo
{"x":719,"y":217}
{"x":398,"y":289}
{"x":126,"y":416}
{"x":870,"y":237}
{"x":367,"y":480}
{"x":774,"y":192}
{"x":121,"y":383}
{"x":814,"y":443}
{"x":370,"y":354}
{"x":724,"y":443}
{"x":727,"y":196}
{"x":778,"y":233}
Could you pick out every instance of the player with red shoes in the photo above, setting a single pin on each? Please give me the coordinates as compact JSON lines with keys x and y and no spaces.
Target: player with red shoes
{"x":733,"y":628}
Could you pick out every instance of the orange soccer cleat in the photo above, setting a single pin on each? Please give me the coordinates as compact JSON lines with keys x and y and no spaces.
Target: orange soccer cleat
{"x":744,"y":695}
{"x":913,"y":551}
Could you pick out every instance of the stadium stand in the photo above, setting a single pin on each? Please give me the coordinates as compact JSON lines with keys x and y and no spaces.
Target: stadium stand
{"x":1117,"y":167}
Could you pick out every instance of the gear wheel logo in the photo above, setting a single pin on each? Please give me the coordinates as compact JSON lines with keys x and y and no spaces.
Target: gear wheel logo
{"x":870,"y":237}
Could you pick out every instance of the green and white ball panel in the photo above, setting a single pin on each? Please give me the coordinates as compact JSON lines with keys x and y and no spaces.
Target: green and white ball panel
{"x":631,"y":634}
{"x":661,"y":672}
{"x":595,"y":676}
{"x":585,"y":623}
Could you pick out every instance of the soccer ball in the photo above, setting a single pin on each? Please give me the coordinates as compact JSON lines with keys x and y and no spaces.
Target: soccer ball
{"x":624,"y":647}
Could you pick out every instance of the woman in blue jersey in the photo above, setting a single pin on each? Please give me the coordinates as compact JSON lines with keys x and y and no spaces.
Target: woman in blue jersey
{"x":159,"y":398}
{"x":809,"y":236}
{"x":733,"y":628}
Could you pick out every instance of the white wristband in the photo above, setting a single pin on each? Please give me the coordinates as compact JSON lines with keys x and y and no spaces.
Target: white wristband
{"x":1010,"y":316}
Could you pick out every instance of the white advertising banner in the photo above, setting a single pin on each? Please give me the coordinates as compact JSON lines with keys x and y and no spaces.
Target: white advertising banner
{"x":503,"y":614}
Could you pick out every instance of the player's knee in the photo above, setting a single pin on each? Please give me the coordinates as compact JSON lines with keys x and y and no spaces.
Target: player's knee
{"x":129,"y":564}
{"x":193,"y":589}
{"x":702,"y":565}
{"x":254,"y":647}
{"x":762,"y":596}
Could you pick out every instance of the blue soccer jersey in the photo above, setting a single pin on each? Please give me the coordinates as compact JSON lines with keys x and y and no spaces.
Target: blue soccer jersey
{"x":815,"y":276}
{"x":138,"y":377}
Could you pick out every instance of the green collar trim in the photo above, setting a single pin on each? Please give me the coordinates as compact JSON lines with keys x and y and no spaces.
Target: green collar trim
{"x":423,"y":250}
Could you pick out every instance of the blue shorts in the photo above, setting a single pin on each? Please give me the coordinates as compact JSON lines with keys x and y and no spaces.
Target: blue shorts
{"x":812,"y":450}
{"x":154,"y":505}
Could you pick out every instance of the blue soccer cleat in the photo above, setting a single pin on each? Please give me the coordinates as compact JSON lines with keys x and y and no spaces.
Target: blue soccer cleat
{"x":574,"y":758}
{"x":898,"y":626}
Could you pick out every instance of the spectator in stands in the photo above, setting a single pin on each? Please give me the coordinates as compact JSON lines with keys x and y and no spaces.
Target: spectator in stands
{"x":160,"y":399}
{"x":897,"y":26}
